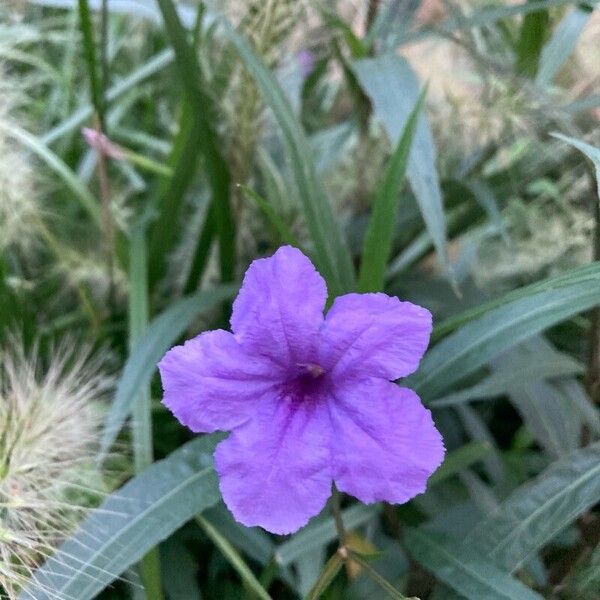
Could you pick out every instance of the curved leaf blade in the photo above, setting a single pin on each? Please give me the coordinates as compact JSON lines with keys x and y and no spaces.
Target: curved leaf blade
{"x":129,"y":523}
{"x":539,"y":510}
{"x":470,"y":575}
{"x":472,"y":346}
{"x":332,"y":254}
{"x":160,"y":335}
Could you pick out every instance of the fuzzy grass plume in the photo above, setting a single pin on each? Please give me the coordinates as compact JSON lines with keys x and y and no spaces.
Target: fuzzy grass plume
{"x":49,"y":429}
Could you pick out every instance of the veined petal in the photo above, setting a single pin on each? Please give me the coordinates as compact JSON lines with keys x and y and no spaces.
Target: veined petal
{"x":279,"y":309}
{"x":210,"y":383}
{"x":373,"y":335}
{"x":275,"y":470}
{"x":385,"y":444}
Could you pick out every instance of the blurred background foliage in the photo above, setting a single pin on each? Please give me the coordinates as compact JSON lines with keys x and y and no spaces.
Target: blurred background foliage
{"x":218,"y":131}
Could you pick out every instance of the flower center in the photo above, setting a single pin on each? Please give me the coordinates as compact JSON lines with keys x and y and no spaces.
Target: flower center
{"x":306,"y":383}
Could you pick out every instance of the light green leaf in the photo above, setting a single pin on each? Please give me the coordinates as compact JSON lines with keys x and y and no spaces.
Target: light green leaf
{"x":393,"y":89}
{"x":472,"y":346}
{"x":561,"y":44}
{"x":539,"y":510}
{"x":129,"y":523}
{"x":460,"y":459}
{"x":160,"y":335}
{"x":468,"y":573}
{"x":378,"y":238}
{"x":54,"y":162}
{"x":332,"y":568}
{"x":498,"y":383}
{"x":590,"y":151}
{"x":331,"y":252}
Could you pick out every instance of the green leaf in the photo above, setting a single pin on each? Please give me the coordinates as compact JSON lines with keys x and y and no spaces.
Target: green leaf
{"x":460,"y":459}
{"x":468,"y":573}
{"x":85,"y":23}
{"x":561,"y":44}
{"x":201,"y":110}
{"x":332,"y":568}
{"x":331,"y":252}
{"x":274,"y":219}
{"x":532,"y":36}
{"x":393,"y":89}
{"x":143,"y":452}
{"x":539,"y":510}
{"x":318,"y":533}
{"x":590,"y":151}
{"x":579,"y":274}
{"x":498,"y":383}
{"x":472,"y":346}
{"x":234,"y":558}
{"x":160,"y":335}
{"x":129,"y":523}
{"x":383,"y":583}
{"x":152,"y":66}
{"x":70,"y":179}
{"x":378,"y":238}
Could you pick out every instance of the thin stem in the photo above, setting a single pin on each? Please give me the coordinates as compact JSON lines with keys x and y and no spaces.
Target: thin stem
{"x":337,"y":516}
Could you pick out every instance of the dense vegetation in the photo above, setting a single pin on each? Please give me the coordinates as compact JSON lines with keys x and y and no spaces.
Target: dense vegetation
{"x":443,"y":152}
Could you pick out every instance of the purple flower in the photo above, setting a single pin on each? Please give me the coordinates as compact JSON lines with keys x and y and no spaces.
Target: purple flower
{"x":308,"y":399}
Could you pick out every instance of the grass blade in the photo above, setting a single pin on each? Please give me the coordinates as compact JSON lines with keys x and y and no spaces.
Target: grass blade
{"x":378,"y":238}
{"x":234,"y":559}
{"x":393,"y":89}
{"x":331,"y":252}
{"x":332,"y":568}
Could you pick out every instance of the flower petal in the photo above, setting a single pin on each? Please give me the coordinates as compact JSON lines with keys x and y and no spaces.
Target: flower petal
{"x":211,"y":383}
{"x":275,"y":471}
{"x":373,"y":335}
{"x":279,"y":309}
{"x":385,"y":444}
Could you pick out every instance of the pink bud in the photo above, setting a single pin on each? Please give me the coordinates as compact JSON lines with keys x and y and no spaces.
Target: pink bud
{"x":99,"y":142}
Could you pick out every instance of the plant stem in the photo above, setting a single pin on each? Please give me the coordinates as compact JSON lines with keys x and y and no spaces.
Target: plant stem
{"x":337,"y":516}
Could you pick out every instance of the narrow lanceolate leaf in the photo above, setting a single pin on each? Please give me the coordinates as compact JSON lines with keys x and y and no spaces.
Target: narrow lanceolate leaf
{"x":460,"y":459}
{"x":56,"y":164}
{"x":472,"y":346}
{"x":393,"y":88}
{"x":130,"y":522}
{"x":331,"y":252}
{"x":590,"y":151}
{"x":539,"y":510}
{"x":585,"y":273}
{"x":332,"y":568}
{"x":378,"y":238}
{"x":160,"y":335}
{"x":561,"y":44}
{"x":217,"y":170}
{"x":466,"y":572}
{"x":500,"y":381}
{"x":234,"y":558}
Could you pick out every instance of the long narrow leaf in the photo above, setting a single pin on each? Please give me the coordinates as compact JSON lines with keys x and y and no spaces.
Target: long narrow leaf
{"x":472,"y":346}
{"x":539,"y":510}
{"x":129,"y":523}
{"x":378,"y":238}
{"x":155,"y":341}
{"x":332,"y":254}
{"x":469,"y":574}
{"x":393,"y":89}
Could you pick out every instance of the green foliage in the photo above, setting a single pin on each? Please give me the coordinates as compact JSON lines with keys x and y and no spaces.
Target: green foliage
{"x":207,"y":182}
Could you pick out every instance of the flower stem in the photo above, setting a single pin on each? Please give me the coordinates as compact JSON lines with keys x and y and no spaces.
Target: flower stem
{"x":337,"y":516}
